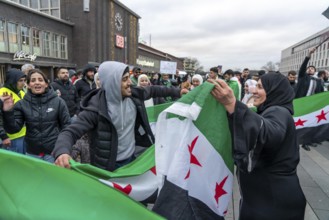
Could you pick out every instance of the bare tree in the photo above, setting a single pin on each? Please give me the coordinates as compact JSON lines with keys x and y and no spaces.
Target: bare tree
{"x":192,"y":65}
{"x":271,"y":66}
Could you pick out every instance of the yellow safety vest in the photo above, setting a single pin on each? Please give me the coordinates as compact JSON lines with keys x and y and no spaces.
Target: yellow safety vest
{"x":16,"y":98}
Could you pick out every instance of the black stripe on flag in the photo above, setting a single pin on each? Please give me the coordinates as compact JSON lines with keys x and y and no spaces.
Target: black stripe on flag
{"x":311,"y":135}
{"x":326,"y":13}
{"x":174,"y":202}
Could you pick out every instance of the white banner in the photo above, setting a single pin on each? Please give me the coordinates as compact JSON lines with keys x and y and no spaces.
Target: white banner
{"x":167,"y":67}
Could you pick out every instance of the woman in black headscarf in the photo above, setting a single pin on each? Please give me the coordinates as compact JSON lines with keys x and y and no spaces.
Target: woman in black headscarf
{"x":265,"y":150}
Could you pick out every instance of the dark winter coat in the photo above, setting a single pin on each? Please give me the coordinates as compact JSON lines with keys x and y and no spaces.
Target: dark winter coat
{"x":69,"y":94}
{"x":266,"y":153}
{"x":12,"y":77}
{"x":102,"y":133}
{"x":83,"y":85}
{"x":3,"y":134}
{"x":304,"y":80}
{"x":44,"y":115}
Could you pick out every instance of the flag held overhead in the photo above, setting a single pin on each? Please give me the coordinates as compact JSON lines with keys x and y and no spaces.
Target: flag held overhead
{"x":326,"y":13}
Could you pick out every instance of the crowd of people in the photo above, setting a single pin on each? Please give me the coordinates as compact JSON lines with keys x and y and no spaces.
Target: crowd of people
{"x":98,"y":116}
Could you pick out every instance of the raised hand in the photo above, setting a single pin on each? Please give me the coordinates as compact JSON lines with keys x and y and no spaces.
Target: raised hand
{"x":223,"y":94}
{"x":8,"y":101}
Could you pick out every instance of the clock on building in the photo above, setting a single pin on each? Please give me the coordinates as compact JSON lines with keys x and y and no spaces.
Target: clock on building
{"x":118,"y":21}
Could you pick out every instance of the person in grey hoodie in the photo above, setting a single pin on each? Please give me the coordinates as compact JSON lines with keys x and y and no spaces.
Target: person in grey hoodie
{"x":114,"y":117}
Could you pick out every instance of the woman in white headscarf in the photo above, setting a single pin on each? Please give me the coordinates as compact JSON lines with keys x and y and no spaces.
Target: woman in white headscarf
{"x":196,"y":81}
{"x":144,"y":81}
{"x":249,"y":88}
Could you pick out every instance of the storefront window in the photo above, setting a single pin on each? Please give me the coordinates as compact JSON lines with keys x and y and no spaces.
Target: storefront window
{"x":2,"y":37}
{"x":13,"y":37}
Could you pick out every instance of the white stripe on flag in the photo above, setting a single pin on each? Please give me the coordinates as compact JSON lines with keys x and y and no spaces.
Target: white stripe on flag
{"x":202,"y":181}
{"x":137,"y":187}
{"x":313,"y":119}
{"x":191,"y":111}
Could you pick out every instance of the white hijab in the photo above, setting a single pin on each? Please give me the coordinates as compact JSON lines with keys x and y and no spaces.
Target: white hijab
{"x":251,"y":87}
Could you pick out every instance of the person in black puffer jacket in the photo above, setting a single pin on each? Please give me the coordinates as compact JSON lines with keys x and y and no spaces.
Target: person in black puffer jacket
{"x":86,"y":83}
{"x":42,"y":111}
{"x":66,"y":91}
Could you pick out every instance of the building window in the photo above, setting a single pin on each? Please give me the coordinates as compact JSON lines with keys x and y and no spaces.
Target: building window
{"x":13,"y":37}
{"x":54,"y":8}
{"x":63,"y":47}
{"x":25,"y":36}
{"x":2,"y":37}
{"x":50,"y":7}
{"x":24,"y":2}
{"x":36,"y":42}
{"x":34,"y":4}
{"x":46,"y":44}
{"x":56,"y":45}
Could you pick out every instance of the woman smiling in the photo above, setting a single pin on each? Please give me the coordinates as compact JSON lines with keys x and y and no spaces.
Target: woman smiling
{"x":43,"y":113}
{"x":265,"y":149}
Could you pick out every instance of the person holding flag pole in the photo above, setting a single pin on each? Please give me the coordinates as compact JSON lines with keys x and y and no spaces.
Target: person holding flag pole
{"x":265,"y":149}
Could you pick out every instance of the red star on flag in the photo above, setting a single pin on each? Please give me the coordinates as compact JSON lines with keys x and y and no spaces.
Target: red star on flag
{"x":153,"y":170}
{"x":127,"y":189}
{"x":300,"y":122}
{"x":219,"y":191}
{"x":193,"y":159}
{"x":322,"y":116}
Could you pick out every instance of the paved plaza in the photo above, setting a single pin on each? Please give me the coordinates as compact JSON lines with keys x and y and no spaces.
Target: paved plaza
{"x":313,"y":172}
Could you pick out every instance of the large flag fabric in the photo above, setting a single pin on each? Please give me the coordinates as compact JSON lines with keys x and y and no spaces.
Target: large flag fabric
{"x":137,"y":179}
{"x":311,"y":118}
{"x":33,"y":189}
{"x":197,"y":143}
{"x":194,"y":158}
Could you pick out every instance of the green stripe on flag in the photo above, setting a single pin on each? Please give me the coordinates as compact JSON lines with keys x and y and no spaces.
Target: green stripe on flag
{"x":154,"y":111}
{"x":139,"y":166}
{"x":306,"y":105}
{"x":33,"y":189}
{"x":220,"y":136}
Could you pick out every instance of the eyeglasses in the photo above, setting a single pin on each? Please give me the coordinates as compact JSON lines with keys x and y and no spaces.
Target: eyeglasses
{"x":22,"y":80}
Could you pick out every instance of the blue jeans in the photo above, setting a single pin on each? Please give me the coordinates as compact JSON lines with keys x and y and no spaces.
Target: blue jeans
{"x":17,"y":145}
{"x":46,"y":157}
{"x":122,"y":163}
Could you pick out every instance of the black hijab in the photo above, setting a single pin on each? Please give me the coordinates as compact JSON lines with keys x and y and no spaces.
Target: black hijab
{"x":278,"y":92}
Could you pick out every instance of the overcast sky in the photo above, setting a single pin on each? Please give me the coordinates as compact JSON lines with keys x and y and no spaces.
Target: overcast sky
{"x":232,"y":33}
